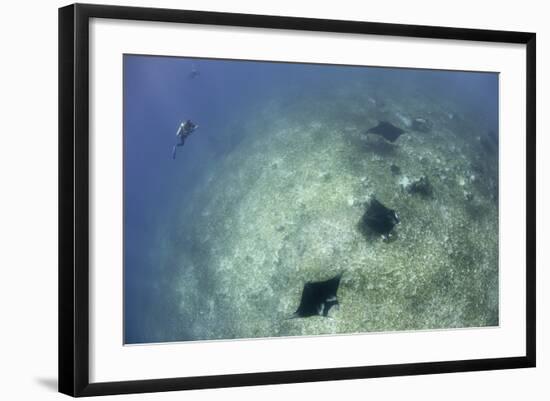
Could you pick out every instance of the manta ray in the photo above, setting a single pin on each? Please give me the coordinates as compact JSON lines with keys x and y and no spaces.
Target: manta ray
{"x":318,"y":297}
{"x":387,"y":131}
{"x":379,"y":218}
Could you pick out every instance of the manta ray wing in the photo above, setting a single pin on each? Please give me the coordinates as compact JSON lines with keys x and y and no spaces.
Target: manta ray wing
{"x":387,"y":130}
{"x":318,"y":297}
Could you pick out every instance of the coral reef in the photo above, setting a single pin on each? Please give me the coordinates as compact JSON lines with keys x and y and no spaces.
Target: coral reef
{"x":282,"y":209}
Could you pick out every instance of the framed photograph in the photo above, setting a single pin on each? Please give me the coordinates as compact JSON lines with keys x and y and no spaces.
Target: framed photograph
{"x":250,"y":199}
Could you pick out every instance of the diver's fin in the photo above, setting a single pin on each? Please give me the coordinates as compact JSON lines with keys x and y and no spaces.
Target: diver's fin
{"x":174,"y":152}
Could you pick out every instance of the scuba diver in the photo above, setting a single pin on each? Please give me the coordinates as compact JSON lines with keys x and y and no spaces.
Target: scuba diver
{"x":185,"y":129}
{"x":194,"y":72}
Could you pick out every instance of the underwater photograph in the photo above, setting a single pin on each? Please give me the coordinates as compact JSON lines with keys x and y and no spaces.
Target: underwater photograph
{"x":273,"y":199}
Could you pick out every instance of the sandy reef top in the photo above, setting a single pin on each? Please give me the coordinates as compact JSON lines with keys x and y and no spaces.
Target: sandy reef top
{"x":284,"y":208}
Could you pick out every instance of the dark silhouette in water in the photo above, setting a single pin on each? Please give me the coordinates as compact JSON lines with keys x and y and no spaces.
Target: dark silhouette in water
{"x":421,"y":187}
{"x":379,"y":219}
{"x":318,"y":297}
{"x":194,"y":73}
{"x":395,"y":169}
{"x":387,"y":131}
{"x":185,"y":129}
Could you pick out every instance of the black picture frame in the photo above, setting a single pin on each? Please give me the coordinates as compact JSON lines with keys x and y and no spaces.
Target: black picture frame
{"x":74,"y":194}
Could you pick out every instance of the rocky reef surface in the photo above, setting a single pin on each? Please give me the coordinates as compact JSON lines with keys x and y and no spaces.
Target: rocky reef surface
{"x":284,"y":207}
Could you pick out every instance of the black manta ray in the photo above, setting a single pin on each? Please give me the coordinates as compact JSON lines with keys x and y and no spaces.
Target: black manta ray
{"x":318,"y":297}
{"x":379,"y":218}
{"x":386,"y":130}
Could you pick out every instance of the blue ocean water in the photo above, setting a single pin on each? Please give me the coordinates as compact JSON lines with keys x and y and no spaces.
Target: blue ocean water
{"x":225,"y":100}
